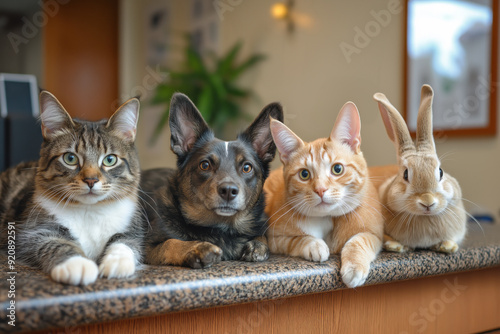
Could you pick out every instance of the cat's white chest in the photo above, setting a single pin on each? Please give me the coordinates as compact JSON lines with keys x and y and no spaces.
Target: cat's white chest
{"x":318,"y":227}
{"x":93,"y":225}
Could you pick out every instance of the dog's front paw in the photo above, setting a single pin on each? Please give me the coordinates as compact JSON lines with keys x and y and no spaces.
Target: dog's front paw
{"x":118,"y":262}
{"x":203,"y":255}
{"x":255,"y":251}
{"x":316,"y":250}
{"x":394,"y":246}
{"x":76,"y":270}
{"x":448,"y":246}
{"x":354,"y":274}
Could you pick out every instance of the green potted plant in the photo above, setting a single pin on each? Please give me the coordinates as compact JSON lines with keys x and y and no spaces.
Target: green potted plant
{"x":211,"y":83}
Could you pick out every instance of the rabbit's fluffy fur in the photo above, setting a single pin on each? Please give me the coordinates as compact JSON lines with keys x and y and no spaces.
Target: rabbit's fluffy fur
{"x":423,"y":205}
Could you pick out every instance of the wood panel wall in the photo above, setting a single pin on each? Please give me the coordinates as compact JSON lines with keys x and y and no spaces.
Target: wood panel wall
{"x":80,"y":51}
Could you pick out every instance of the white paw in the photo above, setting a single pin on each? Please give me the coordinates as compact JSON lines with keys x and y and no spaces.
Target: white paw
{"x":316,"y":250}
{"x":354,"y":275}
{"x":76,"y":270}
{"x":119,"y":262}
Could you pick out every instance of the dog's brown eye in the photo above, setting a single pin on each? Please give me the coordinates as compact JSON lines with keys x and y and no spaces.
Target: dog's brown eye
{"x":205,"y":165}
{"x":405,"y":175}
{"x":247,"y":168}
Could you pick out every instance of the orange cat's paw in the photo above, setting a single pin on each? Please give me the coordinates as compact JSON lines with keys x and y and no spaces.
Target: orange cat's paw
{"x":354,"y":274}
{"x":316,"y":250}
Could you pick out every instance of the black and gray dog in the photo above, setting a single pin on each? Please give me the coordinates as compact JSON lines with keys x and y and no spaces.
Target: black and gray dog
{"x":211,"y":207}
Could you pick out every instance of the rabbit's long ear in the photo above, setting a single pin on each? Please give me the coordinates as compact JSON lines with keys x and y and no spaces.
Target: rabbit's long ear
{"x":395,"y":125}
{"x":425,"y":139}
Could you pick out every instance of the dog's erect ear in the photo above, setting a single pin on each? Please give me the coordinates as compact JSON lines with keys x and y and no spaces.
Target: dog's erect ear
{"x":259,"y":132}
{"x":186,"y":124}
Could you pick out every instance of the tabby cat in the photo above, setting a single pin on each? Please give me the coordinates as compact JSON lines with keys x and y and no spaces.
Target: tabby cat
{"x":322,"y":200}
{"x":76,"y":208}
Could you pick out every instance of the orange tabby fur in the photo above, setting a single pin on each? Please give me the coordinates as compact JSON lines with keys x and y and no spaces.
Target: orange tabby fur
{"x":326,"y":213}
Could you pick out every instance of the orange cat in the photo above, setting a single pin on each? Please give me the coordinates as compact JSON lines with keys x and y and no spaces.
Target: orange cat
{"x":322,"y":200}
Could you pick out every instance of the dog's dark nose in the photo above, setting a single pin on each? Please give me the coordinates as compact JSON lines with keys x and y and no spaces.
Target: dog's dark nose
{"x":228,"y":191}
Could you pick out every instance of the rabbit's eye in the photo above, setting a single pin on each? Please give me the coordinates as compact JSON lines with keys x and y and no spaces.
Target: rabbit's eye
{"x":441,"y":173}
{"x":405,"y":175}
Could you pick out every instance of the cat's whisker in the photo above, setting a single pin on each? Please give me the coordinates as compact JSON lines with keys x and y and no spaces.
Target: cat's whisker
{"x":297,"y":201}
{"x":292,"y":201}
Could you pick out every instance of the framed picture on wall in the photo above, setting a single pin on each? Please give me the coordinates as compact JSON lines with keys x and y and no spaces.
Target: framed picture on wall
{"x":452,"y":46}
{"x":18,"y":95}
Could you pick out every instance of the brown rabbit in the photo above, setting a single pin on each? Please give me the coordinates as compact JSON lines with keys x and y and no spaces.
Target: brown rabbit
{"x":423,"y":205}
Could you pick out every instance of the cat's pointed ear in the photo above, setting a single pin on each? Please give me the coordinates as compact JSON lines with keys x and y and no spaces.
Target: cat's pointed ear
{"x":259,"y":132}
{"x":123,"y":123}
{"x":53,"y":116}
{"x":286,"y":141}
{"x":347,"y":128}
{"x":186,"y":124}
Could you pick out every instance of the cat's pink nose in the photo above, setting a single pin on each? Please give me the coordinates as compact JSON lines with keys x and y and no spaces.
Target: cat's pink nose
{"x":90,"y":181}
{"x":320,"y":191}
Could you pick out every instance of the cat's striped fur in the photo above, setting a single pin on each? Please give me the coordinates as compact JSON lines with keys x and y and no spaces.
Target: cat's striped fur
{"x":76,"y":209}
{"x":313,"y":210}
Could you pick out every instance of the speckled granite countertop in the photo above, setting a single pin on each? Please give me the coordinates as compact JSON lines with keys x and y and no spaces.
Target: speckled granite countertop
{"x":42,"y":303}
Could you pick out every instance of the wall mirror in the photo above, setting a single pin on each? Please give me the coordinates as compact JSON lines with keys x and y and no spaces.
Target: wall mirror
{"x":452,"y":46}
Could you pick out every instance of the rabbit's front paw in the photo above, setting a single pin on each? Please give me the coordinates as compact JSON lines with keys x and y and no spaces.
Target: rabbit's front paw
{"x":448,"y":246}
{"x":394,"y":246}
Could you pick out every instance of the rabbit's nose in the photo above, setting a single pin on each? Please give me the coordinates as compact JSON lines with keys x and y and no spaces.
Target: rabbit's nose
{"x":427,"y":206}
{"x":427,"y":201}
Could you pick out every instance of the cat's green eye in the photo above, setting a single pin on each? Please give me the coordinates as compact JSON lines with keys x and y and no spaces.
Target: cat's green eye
{"x":70,"y":159}
{"x":110,"y":160}
{"x":337,"y":169}
{"x":304,"y":174}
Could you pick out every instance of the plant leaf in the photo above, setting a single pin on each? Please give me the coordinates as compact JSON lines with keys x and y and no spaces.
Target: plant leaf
{"x":225,"y":64}
{"x":250,"y":62}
